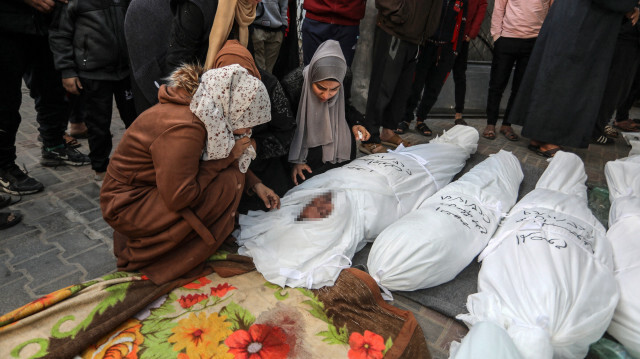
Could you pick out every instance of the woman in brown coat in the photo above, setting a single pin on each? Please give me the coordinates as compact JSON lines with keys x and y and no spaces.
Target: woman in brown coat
{"x":175,"y":180}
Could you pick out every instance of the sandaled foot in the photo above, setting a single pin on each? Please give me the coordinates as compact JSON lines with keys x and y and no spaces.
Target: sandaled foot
{"x":403,"y":127}
{"x":371,"y":148}
{"x":627,"y":126}
{"x":460,"y":121}
{"x":422,"y":128}
{"x":548,"y":151}
{"x":71,"y":141}
{"x":507,"y":131}
{"x":489,"y":132}
{"x":394,"y":142}
{"x":9,"y":219}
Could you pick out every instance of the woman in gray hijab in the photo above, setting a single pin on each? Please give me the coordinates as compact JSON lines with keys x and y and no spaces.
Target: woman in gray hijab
{"x":323,"y":140}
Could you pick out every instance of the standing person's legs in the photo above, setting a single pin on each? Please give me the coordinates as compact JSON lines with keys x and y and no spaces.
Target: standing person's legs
{"x":460,"y":78}
{"x":426,"y":59}
{"x":124,"y":101}
{"x":98,"y":98}
{"x":16,"y":54}
{"x":314,"y":33}
{"x":347,"y":36}
{"x":622,"y":110}
{"x":523,"y":53}
{"x":272,"y":44}
{"x":258,"y":38}
{"x":501,"y":65}
{"x":391,"y":71}
{"x":435,"y":79}
{"x":77,"y":128}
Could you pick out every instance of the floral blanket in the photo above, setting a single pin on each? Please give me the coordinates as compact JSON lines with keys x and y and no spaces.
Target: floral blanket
{"x":124,"y":315}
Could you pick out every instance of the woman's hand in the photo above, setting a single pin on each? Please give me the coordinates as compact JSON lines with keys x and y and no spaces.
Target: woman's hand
{"x":297,"y":171}
{"x":267,"y":195}
{"x":360,"y":133}
{"x":239,"y":147}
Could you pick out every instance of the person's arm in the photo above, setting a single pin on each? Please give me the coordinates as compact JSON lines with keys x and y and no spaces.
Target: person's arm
{"x":180,"y":174}
{"x":43,"y":6}
{"x":475,"y":23}
{"x":61,"y":32}
{"x":393,"y":9}
{"x":185,"y":36}
{"x":499,"y":7}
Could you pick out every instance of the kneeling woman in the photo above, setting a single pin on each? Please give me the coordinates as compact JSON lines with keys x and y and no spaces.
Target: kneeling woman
{"x":172,"y":188}
{"x":322,"y":139}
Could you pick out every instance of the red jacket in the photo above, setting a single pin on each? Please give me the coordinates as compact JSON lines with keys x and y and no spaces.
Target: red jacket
{"x":341,"y":12}
{"x":476,"y":10}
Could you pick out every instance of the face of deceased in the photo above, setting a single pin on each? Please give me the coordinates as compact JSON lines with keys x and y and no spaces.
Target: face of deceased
{"x":320,"y":207}
{"x":325,"y":89}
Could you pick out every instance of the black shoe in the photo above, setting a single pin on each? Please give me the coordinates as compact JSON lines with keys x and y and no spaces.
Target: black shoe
{"x":63,"y":155}
{"x":15,"y":181}
{"x":602,"y":140}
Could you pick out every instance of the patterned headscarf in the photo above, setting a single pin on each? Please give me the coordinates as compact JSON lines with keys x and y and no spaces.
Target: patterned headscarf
{"x":229,"y":98}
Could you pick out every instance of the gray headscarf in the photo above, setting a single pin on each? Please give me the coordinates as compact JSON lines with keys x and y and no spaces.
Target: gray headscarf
{"x":322,"y":124}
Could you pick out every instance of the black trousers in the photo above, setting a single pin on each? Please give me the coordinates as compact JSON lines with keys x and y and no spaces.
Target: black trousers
{"x":97,"y":97}
{"x":29,"y":56}
{"x":622,"y":72}
{"x":622,"y":112}
{"x":394,"y":63}
{"x":507,"y":52}
{"x":460,"y":75}
{"x":434,"y":64}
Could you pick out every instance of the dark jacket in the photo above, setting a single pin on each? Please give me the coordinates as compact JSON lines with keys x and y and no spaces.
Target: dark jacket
{"x":271,"y":15}
{"x":87,"y":39}
{"x":18,"y":17}
{"x":340,"y":12}
{"x":452,"y":22}
{"x":476,"y":10}
{"x":413,"y":21}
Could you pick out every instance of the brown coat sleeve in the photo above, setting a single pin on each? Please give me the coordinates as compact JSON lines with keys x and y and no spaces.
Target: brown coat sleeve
{"x":180,"y":176}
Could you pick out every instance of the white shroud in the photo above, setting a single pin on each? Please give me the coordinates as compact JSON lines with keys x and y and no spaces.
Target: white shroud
{"x":431,"y":245}
{"x":369,"y":194}
{"x":623,"y":179}
{"x":547,"y":274}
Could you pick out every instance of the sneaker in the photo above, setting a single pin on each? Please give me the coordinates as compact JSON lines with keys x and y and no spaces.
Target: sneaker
{"x":15,"y":181}
{"x":63,"y":155}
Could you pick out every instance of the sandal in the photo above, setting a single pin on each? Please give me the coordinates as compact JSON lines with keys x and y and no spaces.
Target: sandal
{"x":626,"y":126}
{"x":488,"y":133}
{"x":507,"y":131}
{"x":70,"y":141}
{"x":372,"y":148}
{"x":460,"y":121}
{"x":83,"y":134}
{"x":548,"y":153}
{"x":403,"y":127}
{"x":9,"y":219}
{"x":395,"y":141}
{"x":423,"y":129}
{"x":610,"y":132}
{"x":6,"y":201}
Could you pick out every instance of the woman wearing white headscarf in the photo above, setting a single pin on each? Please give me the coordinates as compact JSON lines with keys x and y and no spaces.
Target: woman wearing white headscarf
{"x":322,"y":140}
{"x":173,"y":186}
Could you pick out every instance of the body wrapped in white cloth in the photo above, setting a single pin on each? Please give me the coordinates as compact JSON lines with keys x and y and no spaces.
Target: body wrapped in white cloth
{"x":366,"y":196}
{"x":431,"y":245}
{"x":623,"y":179}
{"x":547,"y":274}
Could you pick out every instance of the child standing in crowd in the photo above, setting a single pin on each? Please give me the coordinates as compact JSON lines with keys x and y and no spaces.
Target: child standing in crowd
{"x":268,"y":32}
{"x":87,"y":41}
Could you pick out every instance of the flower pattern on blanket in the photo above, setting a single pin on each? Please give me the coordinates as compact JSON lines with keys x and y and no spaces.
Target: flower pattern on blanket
{"x":212,"y":317}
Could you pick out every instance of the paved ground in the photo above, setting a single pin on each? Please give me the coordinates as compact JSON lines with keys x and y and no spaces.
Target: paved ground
{"x":63,"y":239}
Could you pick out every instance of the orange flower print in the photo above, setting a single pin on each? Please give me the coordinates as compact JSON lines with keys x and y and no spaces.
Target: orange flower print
{"x":369,"y":346}
{"x":122,"y":343}
{"x":198,"y":283}
{"x":201,"y":336}
{"x":191,"y":300}
{"x":259,"y":342}
{"x":221,"y":290}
